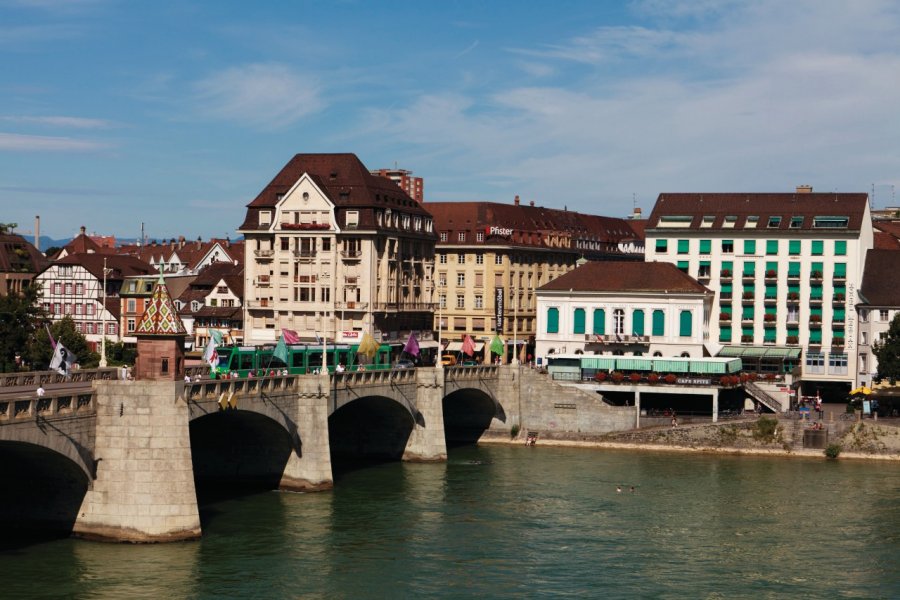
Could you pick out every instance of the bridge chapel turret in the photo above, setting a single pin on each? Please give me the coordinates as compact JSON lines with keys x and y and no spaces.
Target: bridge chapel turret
{"x":160,"y":338}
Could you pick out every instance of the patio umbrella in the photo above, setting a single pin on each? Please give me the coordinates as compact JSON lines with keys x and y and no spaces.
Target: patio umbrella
{"x":861,"y":390}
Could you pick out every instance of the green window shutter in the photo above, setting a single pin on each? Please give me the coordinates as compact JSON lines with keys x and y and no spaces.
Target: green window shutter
{"x":747,"y":331}
{"x":815,"y":336}
{"x":684,"y":246}
{"x":726,"y":287}
{"x":840,"y":288}
{"x":726,"y":309}
{"x":840,"y":269}
{"x":552,"y":320}
{"x":839,"y":314}
{"x":771,"y":310}
{"x":748,"y":287}
{"x":683,"y":265}
{"x":771,"y":266}
{"x":637,"y":322}
{"x":840,"y":248}
{"x":685,"y":323}
{"x":662,"y":245}
{"x":794,"y":269}
{"x":771,"y":291}
{"x":815,"y":310}
{"x":749,"y":246}
{"x":769,"y":335}
{"x":728,"y":265}
{"x":599,"y":321}
{"x":747,"y":312}
{"x":794,"y":288}
{"x":659,"y":322}
{"x":793,"y":247}
{"x":749,"y":268}
{"x":578,"y":321}
{"x":705,"y":246}
{"x":818,"y":247}
{"x":815,"y":291}
{"x":725,"y":334}
{"x":772,"y":247}
{"x":793,"y":331}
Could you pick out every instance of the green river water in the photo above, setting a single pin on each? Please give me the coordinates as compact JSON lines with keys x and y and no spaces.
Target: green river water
{"x":517,"y":522}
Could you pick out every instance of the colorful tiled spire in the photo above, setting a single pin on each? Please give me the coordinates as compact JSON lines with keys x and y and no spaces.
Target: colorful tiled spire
{"x":160,"y":317}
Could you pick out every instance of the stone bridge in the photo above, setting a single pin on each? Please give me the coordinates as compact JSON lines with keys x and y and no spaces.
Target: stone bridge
{"x":116,"y":459}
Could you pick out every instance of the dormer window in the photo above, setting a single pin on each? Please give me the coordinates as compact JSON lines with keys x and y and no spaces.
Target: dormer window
{"x":195,"y":305}
{"x":708,"y":221}
{"x":265,"y":217}
{"x":352,"y":219}
{"x":774,"y":222}
{"x":730,"y":221}
{"x":796,"y":222}
{"x":752,"y":222}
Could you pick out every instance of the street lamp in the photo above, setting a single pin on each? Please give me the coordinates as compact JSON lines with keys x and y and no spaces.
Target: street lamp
{"x":103,"y":312}
{"x":440,"y":358}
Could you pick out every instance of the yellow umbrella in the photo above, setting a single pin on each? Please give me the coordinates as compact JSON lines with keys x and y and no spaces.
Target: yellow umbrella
{"x":861,"y":390}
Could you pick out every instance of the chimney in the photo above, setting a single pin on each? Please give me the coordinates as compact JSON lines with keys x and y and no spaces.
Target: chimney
{"x":199,"y":242}
{"x":531,"y":203}
{"x":37,"y":232}
{"x":83,"y":229}
{"x":637,"y":213}
{"x":227,"y":242}
{"x":516,"y":201}
{"x":804,"y":189}
{"x":180,"y":241}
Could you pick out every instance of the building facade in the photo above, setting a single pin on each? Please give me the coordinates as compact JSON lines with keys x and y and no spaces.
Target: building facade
{"x":785,"y":268}
{"x":20,"y":262}
{"x":413,"y":186}
{"x":879,"y":303}
{"x":492,"y":257}
{"x":625,"y":309}
{"x":333,"y":251}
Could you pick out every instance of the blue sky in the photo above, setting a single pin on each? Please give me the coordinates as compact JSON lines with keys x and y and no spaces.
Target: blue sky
{"x":176,"y":114}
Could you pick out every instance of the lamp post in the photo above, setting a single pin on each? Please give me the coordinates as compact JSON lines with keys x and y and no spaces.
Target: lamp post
{"x":440,"y":358}
{"x":103,"y":308}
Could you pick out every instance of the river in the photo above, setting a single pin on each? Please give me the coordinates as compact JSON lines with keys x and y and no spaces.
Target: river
{"x":513,"y":522}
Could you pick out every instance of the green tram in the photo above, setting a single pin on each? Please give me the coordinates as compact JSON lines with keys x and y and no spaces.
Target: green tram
{"x":302,"y":359}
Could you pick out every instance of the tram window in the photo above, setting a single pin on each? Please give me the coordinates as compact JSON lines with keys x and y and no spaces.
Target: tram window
{"x":315,"y":360}
{"x":246,"y":361}
{"x":297,"y":360}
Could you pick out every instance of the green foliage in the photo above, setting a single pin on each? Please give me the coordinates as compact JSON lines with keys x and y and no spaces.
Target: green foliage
{"x":887,"y":351}
{"x":20,"y":316}
{"x":514,"y":431}
{"x":119,"y":354}
{"x":765,"y":430}
{"x":52,"y":250}
{"x":40,"y":352}
{"x":8,"y":227}
{"x":833,"y":451}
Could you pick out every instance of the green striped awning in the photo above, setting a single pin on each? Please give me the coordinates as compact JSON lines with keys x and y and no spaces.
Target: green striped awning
{"x":599,"y":363}
{"x":634,"y":364}
{"x":707,"y":367}
{"x":670,"y":365}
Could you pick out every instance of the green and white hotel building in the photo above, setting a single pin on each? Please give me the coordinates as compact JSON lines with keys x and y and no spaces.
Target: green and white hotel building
{"x":785,"y":270}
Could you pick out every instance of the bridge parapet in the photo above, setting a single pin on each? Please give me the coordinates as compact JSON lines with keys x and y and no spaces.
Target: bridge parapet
{"x":214,"y":388}
{"x":35,"y":378}
{"x":472,"y":372}
{"x":350,"y":379}
{"x":59,"y":404}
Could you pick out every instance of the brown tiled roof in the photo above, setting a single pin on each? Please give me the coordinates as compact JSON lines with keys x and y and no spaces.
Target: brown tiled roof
{"x":881,"y":278}
{"x":119,"y":266}
{"x":220,"y":312}
{"x":638,"y":226}
{"x":886,"y":241}
{"x":28,"y":259}
{"x":344,"y":179}
{"x":889,"y":227}
{"x":623,"y":276}
{"x":807,"y":205}
{"x":189,"y":252}
{"x":531,"y":225}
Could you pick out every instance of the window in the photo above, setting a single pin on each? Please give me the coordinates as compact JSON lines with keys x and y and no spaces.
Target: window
{"x":815,"y":362}
{"x":774,"y":222}
{"x":479,"y":236}
{"x":883,"y":314}
{"x":840,"y":270}
{"x":708,"y":221}
{"x":683,"y":266}
{"x":110,"y":329}
{"x":659,"y":322}
{"x":830,"y":222}
{"x":578,"y":321}
{"x":840,"y":248}
{"x":705,"y":246}
{"x":65,"y":271}
{"x":619,"y":321}
{"x":131,"y":325}
{"x":443,"y":236}
{"x":265,"y":217}
{"x":751,"y":222}
{"x":863,"y":363}
{"x":460,"y":301}
{"x":498,"y":259}
{"x":771,"y":246}
{"x":725,"y":334}
{"x":685,"y":322}
{"x":479,"y":258}
{"x":79,"y":288}
{"x":57,"y":288}
{"x":461,"y":258}
{"x":749,"y":268}
{"x":442,"y":258}
{"x":89,"y":309}
{"x":442,"y":300}
{"x":460,"y":279}
{"x":796,"y":222}
{"x":675,"y":221}
{"x":727,"y":246}
{"x":479,"y":301}
{"x":818,"y":247}
{"x":552,"y":320}
{"x":705,"y":269}
{"x":461,"y":236}
{"x":131,"y":305}
{"x":662,"y":246}
{"x":637,"y":322}
{"x":837,"y":364}
{"x":863,"y":338}
{"x":599,"y":321}
{"x":352,"y":219}
{"x":479,"y":279}
{"x":68,"y":309}
{"x":684,"y":246}
{"x":730,"y":221}
{"x":749,"y":246}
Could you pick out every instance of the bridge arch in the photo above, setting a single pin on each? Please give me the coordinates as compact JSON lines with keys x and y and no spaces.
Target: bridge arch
{"x":369,"y":428}
{"x":468,"y":413}
{"x":47,"y":435}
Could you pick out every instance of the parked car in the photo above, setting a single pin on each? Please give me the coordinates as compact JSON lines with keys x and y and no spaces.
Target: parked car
{"x":448,"y":360}
{"x":404,"y":364}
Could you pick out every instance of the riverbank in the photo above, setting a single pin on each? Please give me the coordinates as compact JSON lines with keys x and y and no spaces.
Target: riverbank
{"x":757,"y":437}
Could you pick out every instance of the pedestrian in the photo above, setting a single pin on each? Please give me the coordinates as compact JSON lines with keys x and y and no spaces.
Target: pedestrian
{"x":40,"y":391}
{"x":674,"y":420}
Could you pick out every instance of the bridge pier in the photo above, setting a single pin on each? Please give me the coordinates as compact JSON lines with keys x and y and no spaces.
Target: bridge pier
{"x":144,"y":490}
{"x":309,"y":467}
{"x":427,"y":441}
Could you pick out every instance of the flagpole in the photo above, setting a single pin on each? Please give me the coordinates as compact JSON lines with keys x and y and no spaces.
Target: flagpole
{"x":516,"y":329}
{"x":440,"y":361}
{"x":103,"y":308}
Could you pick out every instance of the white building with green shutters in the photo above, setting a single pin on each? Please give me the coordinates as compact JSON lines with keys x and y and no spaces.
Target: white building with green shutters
{"x":785,"y":270}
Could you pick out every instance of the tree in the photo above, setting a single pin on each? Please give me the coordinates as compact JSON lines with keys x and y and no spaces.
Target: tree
{"x":40,"y":351}
{"x":20,"y":317}
{"x":8,"y":227}
{"x":119,"y":354}
{"x":887,"y":351}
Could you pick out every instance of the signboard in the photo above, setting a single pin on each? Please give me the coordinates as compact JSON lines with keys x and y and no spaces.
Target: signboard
{"x":350,"y":335}
{"x":693,"y":381}
{"x":867,"y":407}
{"x":498,"y":308}
{"x":501,"y":231}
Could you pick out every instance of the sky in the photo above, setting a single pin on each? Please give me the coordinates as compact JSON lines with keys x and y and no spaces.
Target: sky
{"x":176,"y":114}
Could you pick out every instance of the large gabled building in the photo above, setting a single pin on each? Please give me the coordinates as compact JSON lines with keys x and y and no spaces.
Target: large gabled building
{"x":332,"y":250}
{"x":20,"y":262}
{"x":879,"y":303}
{"x":786,"y":270}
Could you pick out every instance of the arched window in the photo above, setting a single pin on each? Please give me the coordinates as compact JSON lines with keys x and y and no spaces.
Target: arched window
{"x":659,"y":322}
{"x":685,"y":355}
{"x":637,"y":322}
{"x":578,"y":321}
{"x":553,"y":320}
{"x":599,"y":321}
{"x":657,"y":354}
{"x":686,"y":323}
{"x":619,"y":321}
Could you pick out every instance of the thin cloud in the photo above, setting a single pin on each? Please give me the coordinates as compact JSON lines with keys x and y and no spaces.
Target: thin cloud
{"x":35,"y":143}
{"x":259,"y":95}
{"x":60,"y":121}
{"x":471,"y":47}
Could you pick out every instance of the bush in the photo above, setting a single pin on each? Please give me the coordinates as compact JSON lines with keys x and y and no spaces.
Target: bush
{"x":765,"y":430}
{"x":670,"y":378}
{"x":635,"y":377}
{"x":514,"y":431}
{"x":833,"y":451}
{"x":617,"y":377}
{"x":601,"y":376}
{"x":653,"y":377}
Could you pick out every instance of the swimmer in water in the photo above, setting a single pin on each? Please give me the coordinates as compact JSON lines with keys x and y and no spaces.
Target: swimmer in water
{"x":618,"y":489}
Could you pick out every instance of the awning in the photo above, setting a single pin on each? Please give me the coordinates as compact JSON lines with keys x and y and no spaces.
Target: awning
{"x":457,"y":346}
{"x":759,"y":352}
{"x":598,"y":363}
{"x":428,"y":344}
{"x":634,"y":364}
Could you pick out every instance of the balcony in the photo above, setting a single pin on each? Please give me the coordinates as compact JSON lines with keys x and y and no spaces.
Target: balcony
{"x":768,"y":341}
{"x":747,"y":340}
{"x":748,"y":277}
{"x":404,"y":306}
{"x":815,"y":301}
{"x":259,"y":303}
{"x":264,"y":254}
{"x":351,"y":254}
{"x":838,"y":300}
{"x":613,"y":338}
{"x":746,"y":321}
{"x":840,"y":279}
{"x":793,"y":298}
{"x":771,"y":276}
{"x":793,"y":318}
{"x":815,"y":276}
{"x":748,"y":299}
{"x":725,"y":276}
{"x":306,"y":226}
{"x":837,"y":343}
{"x":792,"y":340}
{"x":815,"y":324}
{"x":771,"y":299}
{"x":725,"y":297}
{"x":263,"y":283}
{"x":724,"y":318}
{"x":837,"y":325}
{"x":351,"y":305}
{"x":304,"y":254}
{"x":793,"y":277}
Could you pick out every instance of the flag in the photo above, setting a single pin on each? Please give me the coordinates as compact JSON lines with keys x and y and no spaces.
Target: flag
{"x":318,"y":339}
{"x":290,"y":336}
{"x":468,"y":346}
{"x":281,"y":351}
{"x":412,"y":345}
{"x":368,"y":346}
{"x":497,"y":345}
{"x":209,"y":354}
{"x":62,"y":360}
{"x":50,"y":335}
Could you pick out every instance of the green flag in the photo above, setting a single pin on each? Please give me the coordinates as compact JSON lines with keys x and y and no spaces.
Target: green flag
{"x":497,"y":345}
{"x":281,"y":351}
